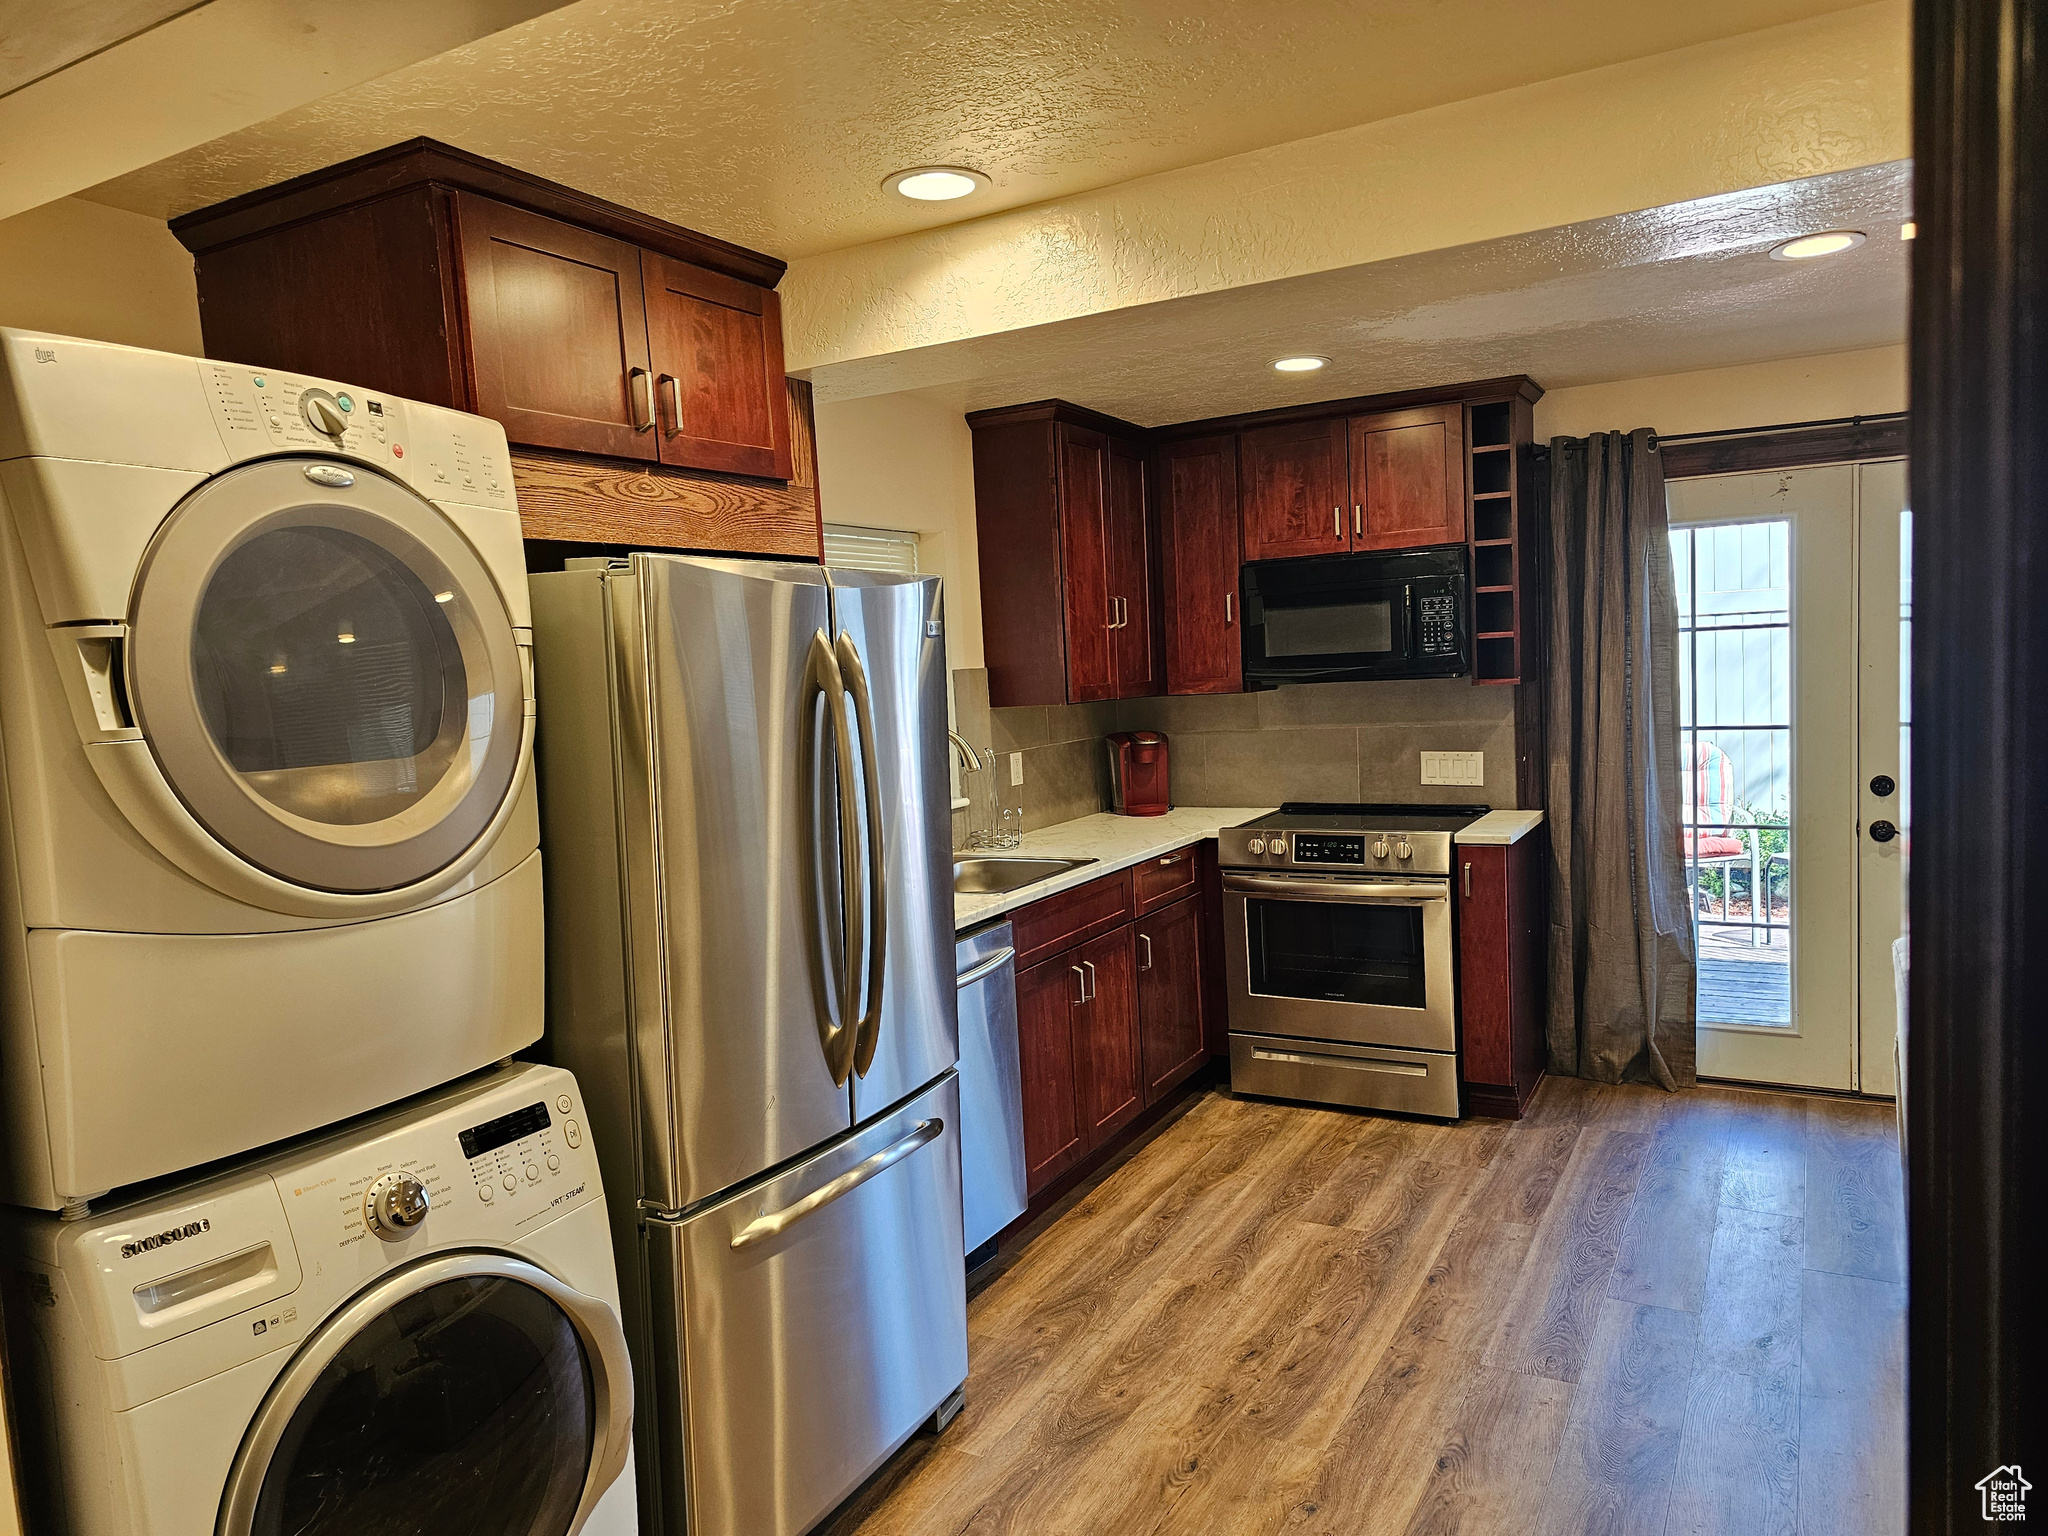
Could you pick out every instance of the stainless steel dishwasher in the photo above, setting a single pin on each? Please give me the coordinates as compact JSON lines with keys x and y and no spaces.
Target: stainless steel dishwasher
{"x":991,"y":1085}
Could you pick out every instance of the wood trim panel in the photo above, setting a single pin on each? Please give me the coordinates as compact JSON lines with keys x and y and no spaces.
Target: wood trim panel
{"x":1057,"y":410}
{"x":1514,"y":386}
{"x":421,"y":161}
{"x":1845,"y":443}
{"x":1044,"y":928}
{"x":589,"y":500}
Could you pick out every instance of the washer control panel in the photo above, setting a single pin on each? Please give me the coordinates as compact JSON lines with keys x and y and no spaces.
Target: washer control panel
{"x":522,"y":1153}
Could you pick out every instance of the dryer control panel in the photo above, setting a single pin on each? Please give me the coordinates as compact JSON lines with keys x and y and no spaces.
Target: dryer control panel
{"x":444,"y":455}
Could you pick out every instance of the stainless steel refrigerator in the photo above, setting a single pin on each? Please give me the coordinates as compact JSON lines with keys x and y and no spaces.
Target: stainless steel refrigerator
{"x":750,"y":957}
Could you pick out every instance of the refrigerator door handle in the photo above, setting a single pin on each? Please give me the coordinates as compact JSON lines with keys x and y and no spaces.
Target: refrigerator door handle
{"x":823,"y":673}
{"x":775,"y":1223}
{"x":878,"y":896}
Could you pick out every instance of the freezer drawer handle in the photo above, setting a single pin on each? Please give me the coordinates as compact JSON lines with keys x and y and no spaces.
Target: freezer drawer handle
{"x":984,"y":967}
{"x":778,"y":1222}
{"x":870,"y":1032}
{"x":1349,"y":1063}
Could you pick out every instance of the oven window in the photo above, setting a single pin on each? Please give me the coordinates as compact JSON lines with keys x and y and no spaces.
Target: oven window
{"x":1336,"y":952}
{"x":1344,"y":629}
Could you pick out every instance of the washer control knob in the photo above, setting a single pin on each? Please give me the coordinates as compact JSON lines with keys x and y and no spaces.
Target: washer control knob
{"x":1402,"y":850}
{"x":564,"y":1104}
{"x":532,"y":1174}
{"x":1379,"y":849}
{"x":485,"y":1193}
{"x":554,"y":1163}
{"x":394,"y":1206}
{"x":1256,"y":846}
{"x":573,"y":1134}
{"x":510,"y":1183}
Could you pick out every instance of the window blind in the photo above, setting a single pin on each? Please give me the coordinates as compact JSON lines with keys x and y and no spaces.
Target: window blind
{"x":871,"y":549}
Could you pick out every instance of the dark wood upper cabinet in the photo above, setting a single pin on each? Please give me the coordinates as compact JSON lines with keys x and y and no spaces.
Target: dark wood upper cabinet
{"x":1170,"y":995}
{"x":1199,"y":556}
{"x":1293,"y":490}
{"x":1066,"y":555}
{"x":1130,"y":569}
{"x":590,"y":331}
{"x":1408,"y":477}
{"x":557,"y":331}
{"x":716,"y":345}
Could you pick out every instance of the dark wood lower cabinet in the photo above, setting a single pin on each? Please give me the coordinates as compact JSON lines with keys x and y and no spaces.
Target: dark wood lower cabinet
{"x":1501,"y":994}
{"x":1170,"y":996}
{"x":1108,"y":1079}
{"x":1047,"y":996}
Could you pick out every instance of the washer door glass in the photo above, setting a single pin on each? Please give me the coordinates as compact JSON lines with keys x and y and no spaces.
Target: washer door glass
{"x":326,"y":675}
{"x":465,"y":1409}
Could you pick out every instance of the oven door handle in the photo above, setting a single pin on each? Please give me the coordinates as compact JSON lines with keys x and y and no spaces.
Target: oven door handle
{"x":1388,"y":894}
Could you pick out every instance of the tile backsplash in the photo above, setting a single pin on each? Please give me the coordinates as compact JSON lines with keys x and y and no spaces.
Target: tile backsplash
{"x":1324,"y":741}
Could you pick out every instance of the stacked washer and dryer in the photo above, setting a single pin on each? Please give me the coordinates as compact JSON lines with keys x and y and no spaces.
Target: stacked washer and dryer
{"x":296,"y":1247}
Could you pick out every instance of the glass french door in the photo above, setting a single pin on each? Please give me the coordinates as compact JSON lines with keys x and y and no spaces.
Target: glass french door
{"x":1789,"y":592}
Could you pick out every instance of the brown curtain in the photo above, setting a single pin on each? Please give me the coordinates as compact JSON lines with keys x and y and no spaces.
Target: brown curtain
{"x":1621,"y":931}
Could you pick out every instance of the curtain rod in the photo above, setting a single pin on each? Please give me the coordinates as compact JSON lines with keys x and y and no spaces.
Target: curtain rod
{"x":1658,"y":440}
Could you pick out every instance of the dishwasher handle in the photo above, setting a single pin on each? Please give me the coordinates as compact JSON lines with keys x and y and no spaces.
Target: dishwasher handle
{"x":986,"y":966}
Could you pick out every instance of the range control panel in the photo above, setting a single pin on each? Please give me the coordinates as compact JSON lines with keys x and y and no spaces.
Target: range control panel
{"x":1326,"y":848}
{"x":521,"y":1153}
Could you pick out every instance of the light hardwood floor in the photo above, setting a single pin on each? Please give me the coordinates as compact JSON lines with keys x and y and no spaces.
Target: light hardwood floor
{"x":1631,"y":1312}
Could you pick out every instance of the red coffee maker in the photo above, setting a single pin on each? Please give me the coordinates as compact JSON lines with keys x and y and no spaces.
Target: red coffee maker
{"x":1137,"y":774}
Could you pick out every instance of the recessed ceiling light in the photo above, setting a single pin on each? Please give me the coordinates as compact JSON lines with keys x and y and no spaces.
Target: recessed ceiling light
{"x":935,"y":183}
{"x":1306,"y":363}
{"x":1806,"y":247}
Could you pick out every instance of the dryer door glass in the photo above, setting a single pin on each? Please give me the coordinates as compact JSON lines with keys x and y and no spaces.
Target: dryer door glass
{"x":327,"y":676}
{"x":465,"y":1409}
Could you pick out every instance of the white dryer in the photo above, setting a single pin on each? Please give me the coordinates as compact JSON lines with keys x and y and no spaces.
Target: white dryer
{"x":268,"y":846}
{"x":408,"y":1326}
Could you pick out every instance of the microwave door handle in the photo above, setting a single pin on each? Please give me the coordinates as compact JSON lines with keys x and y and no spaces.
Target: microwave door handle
{"x":1408,"y":620}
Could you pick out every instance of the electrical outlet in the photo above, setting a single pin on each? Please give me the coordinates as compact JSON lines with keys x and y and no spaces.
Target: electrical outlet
{"x":1016,"y":769}
{"x":1454,"y":767}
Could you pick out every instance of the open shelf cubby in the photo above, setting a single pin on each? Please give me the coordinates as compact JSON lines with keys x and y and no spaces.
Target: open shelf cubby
{"x":1492,"y":473}
{"x":1493,"y":565}
{"x":1493,"y":521}
{"x":1496,"y":660}
{"x":1492,"y":425}
{"x":1495,"y":613}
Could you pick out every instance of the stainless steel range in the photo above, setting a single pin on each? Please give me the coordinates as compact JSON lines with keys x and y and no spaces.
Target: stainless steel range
{"x":1337,"y":933}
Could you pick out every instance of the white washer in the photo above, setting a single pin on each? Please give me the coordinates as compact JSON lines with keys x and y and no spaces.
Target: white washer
{"x":410,"y":1325}
{"x":268,"y":847}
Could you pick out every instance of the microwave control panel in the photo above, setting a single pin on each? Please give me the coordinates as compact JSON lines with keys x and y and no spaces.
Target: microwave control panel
{"x":1437,"y":619}
{"x":1322,"y":848}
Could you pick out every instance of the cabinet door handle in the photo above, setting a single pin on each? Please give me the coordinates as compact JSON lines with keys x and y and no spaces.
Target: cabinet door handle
{"x":641,"y":386}
{"x":673,"y":389}
{"x":1146,"y":940}
{"x":1110,"y":622}
{"x":1468,"y":882}
{"x":1358,"y":519}
{"x":1173,"y":858}
{"x":1093,"y":985}
{"x":1080,"y":985}
{"x":1229,"y":602}
{"x":1123,"y":614}
{"x":1337,"y":522}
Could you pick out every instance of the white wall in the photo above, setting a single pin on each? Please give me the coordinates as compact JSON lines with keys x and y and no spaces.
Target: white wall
{"x":907,"y":461}
{"x":81,"y":269}
{"x":1867,"y":383}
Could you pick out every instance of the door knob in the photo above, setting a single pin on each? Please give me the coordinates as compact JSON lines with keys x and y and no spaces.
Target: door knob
{"x":1882,"y":831}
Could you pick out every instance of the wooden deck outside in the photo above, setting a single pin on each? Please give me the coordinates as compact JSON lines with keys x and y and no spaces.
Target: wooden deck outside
{"x":1632,"y":1312}
{"x":1745,"y":991}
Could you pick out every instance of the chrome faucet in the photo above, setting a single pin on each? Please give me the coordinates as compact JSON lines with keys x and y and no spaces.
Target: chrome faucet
{"x":963,"y":749}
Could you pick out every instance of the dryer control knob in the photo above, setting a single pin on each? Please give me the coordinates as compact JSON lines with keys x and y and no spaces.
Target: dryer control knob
{"x":323,"y":415}
{"x":394,"y":1206}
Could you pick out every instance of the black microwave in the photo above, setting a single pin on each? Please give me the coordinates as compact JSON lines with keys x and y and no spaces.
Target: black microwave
{"x":1349,"y":618}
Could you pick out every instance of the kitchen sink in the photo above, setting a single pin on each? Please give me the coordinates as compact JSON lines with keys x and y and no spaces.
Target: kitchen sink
{"x":992,"y":877}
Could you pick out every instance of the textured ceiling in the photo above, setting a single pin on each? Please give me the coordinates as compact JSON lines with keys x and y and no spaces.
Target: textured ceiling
{"x":772,"y":122}
{"x":1667,"y":290}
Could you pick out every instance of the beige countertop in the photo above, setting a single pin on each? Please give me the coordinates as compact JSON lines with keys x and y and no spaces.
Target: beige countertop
{"x":1496,"y":828}
{"x":1114,"y":842}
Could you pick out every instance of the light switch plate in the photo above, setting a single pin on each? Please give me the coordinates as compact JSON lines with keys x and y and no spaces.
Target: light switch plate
{"x":1016,"y":768}
{"x":1454,"y":767}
